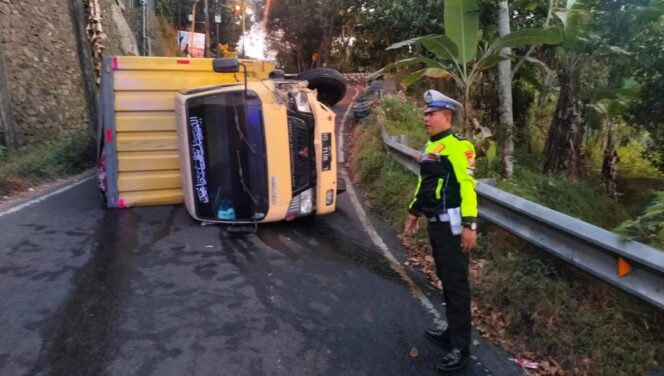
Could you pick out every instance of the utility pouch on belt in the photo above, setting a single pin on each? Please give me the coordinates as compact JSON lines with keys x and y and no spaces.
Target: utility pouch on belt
{"x":455,"y":220}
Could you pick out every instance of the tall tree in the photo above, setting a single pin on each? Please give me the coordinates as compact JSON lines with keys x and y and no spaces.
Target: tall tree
{"x":605,"y":114}
{"x":377,"y":24}
{"x":593,"y":33}
{"x":506,"y":119}
{"x":647,"y":44}
{"x":563,"y":150}
{"x":303,"y":31}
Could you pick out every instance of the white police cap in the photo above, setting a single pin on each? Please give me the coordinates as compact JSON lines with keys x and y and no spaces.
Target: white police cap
{"x":436,"y":101}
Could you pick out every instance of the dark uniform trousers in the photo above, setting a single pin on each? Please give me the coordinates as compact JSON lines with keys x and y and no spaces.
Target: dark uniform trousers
{"x":452,"y":269}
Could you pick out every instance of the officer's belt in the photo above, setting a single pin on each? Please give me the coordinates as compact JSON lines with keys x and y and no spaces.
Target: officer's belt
{"x":444,"y":217}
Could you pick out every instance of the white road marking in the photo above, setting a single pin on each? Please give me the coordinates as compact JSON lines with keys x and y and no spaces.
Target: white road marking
{"x":394,"y":263}
{"x":376,"y":239}
{"x":44,"y":197}
{"x":340,"y":135}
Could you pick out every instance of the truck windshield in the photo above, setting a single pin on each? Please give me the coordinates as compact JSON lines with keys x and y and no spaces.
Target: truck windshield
{"x":228,"y":162}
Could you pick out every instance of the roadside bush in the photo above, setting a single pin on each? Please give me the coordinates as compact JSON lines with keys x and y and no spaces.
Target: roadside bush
{"x":378,"y":172}
{"x":553,"y":310}
{"x":402,"y":116}
{"x":649,"y":227}
{"x":67,"y":155}
{"x":633,"y":164}
{"x":565,"y":196}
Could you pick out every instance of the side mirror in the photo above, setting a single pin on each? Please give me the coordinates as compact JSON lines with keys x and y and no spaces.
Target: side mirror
{"x":226,"y":65}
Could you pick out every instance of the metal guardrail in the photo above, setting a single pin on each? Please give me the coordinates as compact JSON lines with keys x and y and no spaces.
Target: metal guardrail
{"x":586,"y":246}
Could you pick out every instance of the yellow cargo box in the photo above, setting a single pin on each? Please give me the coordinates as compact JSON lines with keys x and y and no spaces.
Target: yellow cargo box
{"x":138,"y":148}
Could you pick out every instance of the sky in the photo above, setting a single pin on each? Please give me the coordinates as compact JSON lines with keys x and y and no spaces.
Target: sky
{"x":254,"y":43}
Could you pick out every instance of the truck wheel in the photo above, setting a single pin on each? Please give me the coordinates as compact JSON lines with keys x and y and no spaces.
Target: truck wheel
{"x":329,"y":83}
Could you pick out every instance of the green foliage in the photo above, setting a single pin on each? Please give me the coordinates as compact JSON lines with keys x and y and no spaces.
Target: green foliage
{"x":462,"y":25}
{"x":299,"y":28}
{"x":633,"y":164}
{"x":449,"y":57}
{"x":622,"y":41}
{"x":648,"y":111}
{"x":563,"y":195}
{"x":67,"y":155}
{"x":403,"y":117}
{"x":379,"y":23}
{"x":379,"y":172}
{"x":649,"y":227}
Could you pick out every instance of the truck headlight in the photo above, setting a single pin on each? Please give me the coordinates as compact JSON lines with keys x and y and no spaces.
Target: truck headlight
{"x":301,"y":102}
{"x":306,"y":201}
{"x":301,"y":204}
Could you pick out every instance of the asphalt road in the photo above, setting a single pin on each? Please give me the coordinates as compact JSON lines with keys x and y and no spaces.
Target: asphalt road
{"x":148,"y":291}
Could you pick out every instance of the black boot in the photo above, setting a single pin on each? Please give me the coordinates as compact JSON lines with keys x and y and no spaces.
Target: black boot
{"x":454,"y":360}
{"x":438,"y":336}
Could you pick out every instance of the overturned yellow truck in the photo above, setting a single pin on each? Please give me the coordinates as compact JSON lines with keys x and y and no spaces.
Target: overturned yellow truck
{"x":220,"y":135}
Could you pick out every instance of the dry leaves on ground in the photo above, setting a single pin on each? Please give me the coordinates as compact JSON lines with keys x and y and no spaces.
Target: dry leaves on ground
{"x":494,"y":325}
{"x":489,"y":322}
{"x":418,"y":258}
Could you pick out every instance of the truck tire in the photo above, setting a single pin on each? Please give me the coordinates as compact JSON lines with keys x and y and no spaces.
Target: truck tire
{"x":341,"y":184}
{"x":329,"y":83}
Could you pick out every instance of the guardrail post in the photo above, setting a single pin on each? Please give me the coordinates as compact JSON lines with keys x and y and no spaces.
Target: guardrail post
{"x":404,"y":139}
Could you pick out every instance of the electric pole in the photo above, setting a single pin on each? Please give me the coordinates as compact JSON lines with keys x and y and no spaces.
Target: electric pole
{"x":206,"y":14}
{"x":193,"y":27}
{"x":244,"y":12}
{"x":217,"y":20}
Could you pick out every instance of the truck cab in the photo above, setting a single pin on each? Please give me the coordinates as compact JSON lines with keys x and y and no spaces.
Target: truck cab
{"x":257,"y":153}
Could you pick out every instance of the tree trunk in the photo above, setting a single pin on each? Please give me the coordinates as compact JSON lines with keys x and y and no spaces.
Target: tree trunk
{"x":8,"y":136}
{"x":610,"y":166}
{"x":325,"y":46}
{"x":506,"y":121}
{"x":298,"y":58}
{"x":563,"y":144}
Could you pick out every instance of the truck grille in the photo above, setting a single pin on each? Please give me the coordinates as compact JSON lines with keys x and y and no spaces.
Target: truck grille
{"x":301,"y":153}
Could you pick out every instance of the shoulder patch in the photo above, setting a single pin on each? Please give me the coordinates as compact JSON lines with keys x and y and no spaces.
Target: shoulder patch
{"x":458,"y":136}
{"x":470,"y":156}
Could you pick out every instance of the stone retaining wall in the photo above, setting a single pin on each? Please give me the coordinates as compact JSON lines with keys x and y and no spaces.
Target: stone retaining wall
{"x":43,"y":70}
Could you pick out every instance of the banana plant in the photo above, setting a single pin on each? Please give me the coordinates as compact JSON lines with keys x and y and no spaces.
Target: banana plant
{"x":459,"y":54}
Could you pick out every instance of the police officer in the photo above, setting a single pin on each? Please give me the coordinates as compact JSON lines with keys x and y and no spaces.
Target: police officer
{"x":446,"y":197}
